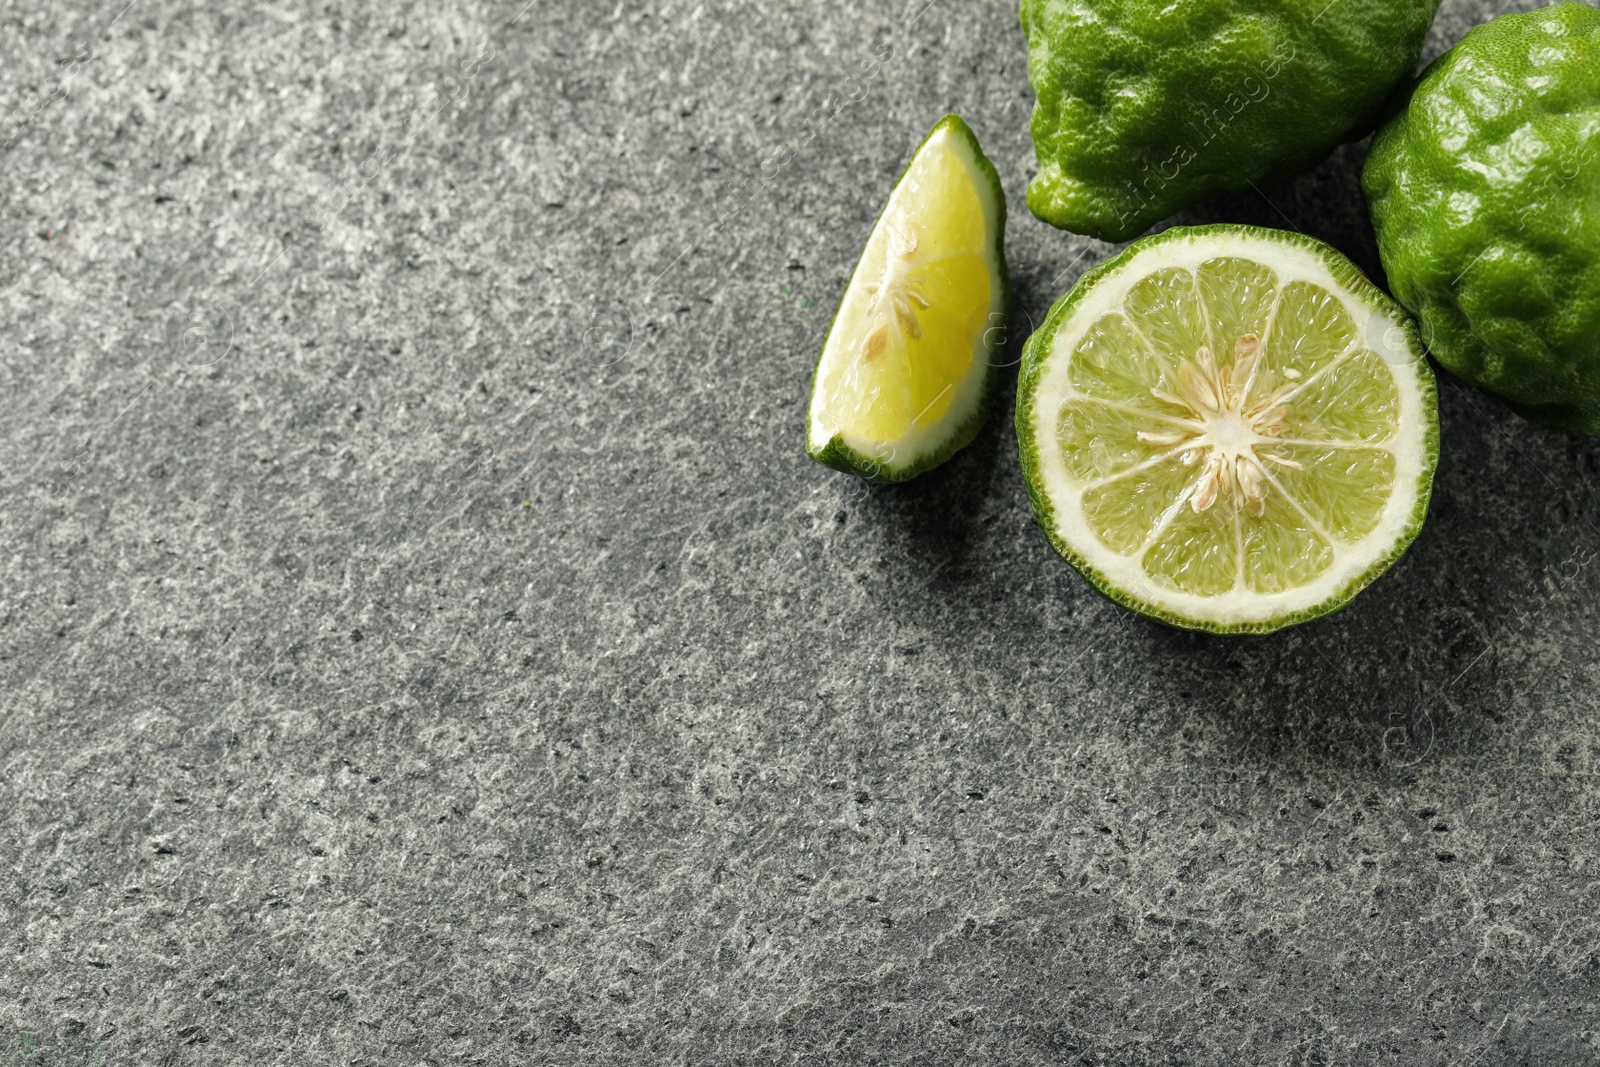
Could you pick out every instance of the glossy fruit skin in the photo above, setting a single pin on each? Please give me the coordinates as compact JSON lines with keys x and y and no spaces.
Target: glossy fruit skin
{"x":1485,"y":193}
{"x":1148,"y":106}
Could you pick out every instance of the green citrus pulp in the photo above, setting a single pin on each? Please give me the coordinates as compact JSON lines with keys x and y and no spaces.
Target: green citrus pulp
{"x":1228,"y":428}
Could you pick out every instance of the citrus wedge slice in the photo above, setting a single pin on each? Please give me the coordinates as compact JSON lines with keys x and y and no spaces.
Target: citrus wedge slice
{"x":907,"y":369}
{"x":1228,"y":428}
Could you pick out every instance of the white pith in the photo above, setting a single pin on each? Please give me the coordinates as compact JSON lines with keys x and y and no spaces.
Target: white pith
{"x":884,"y":280}
{"x":1376,"y":330}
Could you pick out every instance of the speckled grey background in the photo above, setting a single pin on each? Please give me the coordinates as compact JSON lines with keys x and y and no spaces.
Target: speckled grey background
{"x":423,"y":640}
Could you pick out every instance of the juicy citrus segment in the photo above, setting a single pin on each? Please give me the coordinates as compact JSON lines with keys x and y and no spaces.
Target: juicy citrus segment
{"x":1124,"y":511}
{"x":1342,"y":489}
{"x":1239,"y":295}
{"x":1310,"y":329}
{"x":1209,"y":435}
{"x":1281,"y":548}
{"x":1355,"y":400}
{"x":909,"y":377}
{"x":1111,"y":363}
{"x":1099,"y":440}
{"x":906,"y":367}
{"x":1165,"y":308}
{"x":1198,"y":553}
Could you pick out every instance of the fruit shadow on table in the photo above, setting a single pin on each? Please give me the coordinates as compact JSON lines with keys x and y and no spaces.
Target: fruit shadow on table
{"x":1455,"y":641}
{"x":1433,"y":658}
{"x":1326,"y":202}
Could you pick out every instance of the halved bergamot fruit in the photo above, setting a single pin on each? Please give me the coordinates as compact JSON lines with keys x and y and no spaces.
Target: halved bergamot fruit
{"x":1228,"y":428}
{"x":906,"y":372}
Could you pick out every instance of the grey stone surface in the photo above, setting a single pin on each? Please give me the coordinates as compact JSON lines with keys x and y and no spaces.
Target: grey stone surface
{"x":423,"y":640}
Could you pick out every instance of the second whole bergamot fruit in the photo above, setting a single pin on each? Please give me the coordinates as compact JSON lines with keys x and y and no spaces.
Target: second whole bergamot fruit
{"x":1485,"y":193}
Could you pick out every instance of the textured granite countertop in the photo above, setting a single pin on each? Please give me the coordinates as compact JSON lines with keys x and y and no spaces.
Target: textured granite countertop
{"x":423,"y":639}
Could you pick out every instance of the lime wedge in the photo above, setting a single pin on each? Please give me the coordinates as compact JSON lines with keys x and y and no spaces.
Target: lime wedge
{"x":1228,"y":428}
{"x":906,"y":372}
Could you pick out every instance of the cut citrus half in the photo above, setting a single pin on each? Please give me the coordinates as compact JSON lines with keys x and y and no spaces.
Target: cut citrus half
{"x":906,"y":371}
{"x":1228,"y":428}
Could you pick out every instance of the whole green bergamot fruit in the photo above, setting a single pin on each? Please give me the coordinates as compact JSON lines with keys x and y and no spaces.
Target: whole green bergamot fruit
{"x":1485,"y":192}
{"x":1147,"y":106}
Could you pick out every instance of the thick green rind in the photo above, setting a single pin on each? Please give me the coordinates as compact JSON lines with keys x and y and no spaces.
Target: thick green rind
{"x":1483,"y":188}
{"x":840,"y":456}
{"x":1037,"y":351}
{"x":1144,"y":107}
